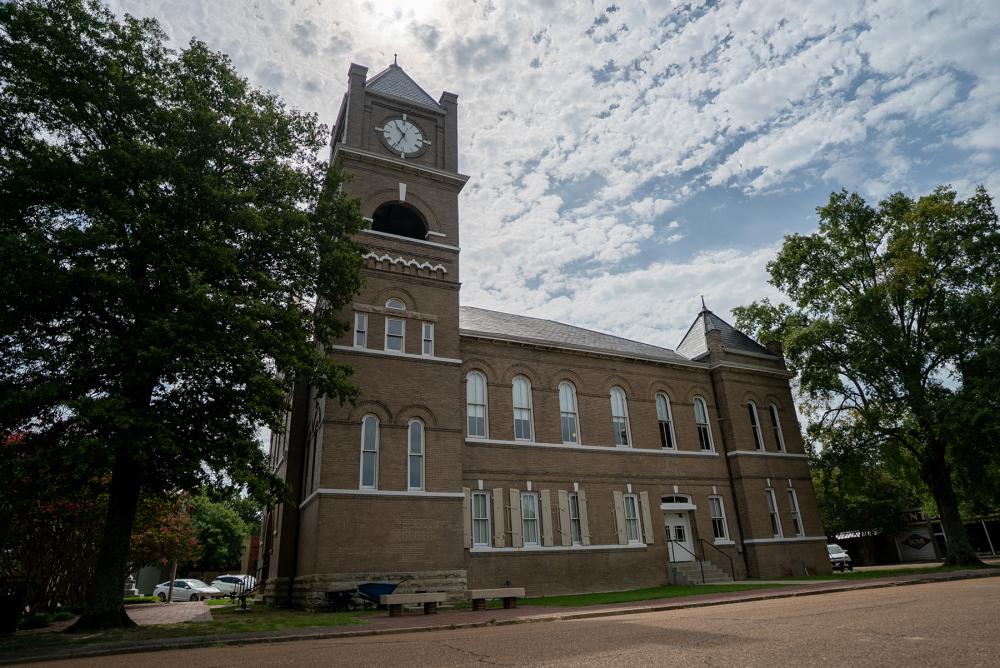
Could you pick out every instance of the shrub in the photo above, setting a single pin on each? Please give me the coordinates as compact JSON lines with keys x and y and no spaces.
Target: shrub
{"x":62,"y":616}
{"x":132,"y":600}
{"x":39,"y":620}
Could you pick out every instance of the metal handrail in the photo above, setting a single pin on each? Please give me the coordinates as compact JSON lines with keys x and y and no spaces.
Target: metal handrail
{"x":701,"y":562}
{"x":732,"y":568}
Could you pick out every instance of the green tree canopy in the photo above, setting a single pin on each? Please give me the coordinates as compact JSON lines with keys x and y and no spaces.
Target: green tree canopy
{"x":165,"y":230}
{"x":892,"y":320}
{"x":221,"y":533}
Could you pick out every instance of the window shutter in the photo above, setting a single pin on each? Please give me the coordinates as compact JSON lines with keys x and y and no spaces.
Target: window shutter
{"x":467,"y":517}
{"x":581,"y":498}
{"x":499,"y":520}
{"x":647,"y":523}
{"x":565,"y":535}
{"x":546,"y":518}
{"x":620,"y":518}
{"x":516,"y":539}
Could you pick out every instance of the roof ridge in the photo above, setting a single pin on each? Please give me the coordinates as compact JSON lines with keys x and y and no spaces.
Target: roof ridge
{"x":428,"y":102}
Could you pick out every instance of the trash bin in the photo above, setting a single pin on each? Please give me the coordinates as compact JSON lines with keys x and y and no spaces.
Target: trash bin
{"x":13,"y":591}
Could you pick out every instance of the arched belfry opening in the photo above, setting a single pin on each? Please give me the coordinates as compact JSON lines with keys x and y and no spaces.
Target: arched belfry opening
{"x":401,"y":219}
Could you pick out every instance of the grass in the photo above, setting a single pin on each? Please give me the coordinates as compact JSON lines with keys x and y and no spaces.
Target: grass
{"x":883,"y":573}
{"x":225,"y":621}
{"x":633,"y":595}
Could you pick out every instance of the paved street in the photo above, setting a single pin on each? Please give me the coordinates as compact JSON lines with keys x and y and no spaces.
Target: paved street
{"x":950,"y":623}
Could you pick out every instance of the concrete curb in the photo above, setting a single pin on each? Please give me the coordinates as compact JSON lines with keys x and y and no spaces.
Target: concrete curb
{"x":219,"y":641}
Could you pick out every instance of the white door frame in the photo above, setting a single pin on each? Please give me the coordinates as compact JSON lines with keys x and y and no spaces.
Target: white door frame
{"x":672,"y":521}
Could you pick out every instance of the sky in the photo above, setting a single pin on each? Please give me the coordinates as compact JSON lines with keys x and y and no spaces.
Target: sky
{"x":626,"y":159}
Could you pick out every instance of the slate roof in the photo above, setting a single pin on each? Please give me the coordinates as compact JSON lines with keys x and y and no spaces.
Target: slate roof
{"x":397,"y":83}
{"x":694,"y":344}
{"x":476,"y":321}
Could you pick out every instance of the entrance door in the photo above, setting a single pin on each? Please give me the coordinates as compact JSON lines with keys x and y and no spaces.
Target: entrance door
{"x":680,"y":544}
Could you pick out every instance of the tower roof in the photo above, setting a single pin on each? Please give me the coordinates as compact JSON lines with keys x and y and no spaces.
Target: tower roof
{"x":393,"y":81}
{"x":694,"y":345}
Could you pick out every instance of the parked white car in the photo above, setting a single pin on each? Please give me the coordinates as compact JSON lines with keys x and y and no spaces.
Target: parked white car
{"x":228,"y":584}
{"x":187,"y":590}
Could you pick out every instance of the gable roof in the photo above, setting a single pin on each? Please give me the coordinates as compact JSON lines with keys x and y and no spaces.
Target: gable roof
{"x":695,"y":345}
{"x":482,"y":322}
{"x":395,"y":82}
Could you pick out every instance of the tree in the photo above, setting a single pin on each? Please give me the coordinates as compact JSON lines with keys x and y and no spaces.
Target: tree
{"x":892,"y":319}
{"x":165,"y":531}
{"x":221,"y":533}
{"x":165,"y":231}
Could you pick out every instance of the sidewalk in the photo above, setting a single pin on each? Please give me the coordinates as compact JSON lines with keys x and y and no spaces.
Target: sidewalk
{"x":451,"y":619}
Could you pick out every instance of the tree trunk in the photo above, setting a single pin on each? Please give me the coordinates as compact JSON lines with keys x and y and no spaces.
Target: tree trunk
{"x":937,"y":475}
{"x":104,"y":608}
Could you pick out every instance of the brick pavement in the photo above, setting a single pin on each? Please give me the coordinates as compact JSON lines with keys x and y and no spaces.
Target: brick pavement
{"x":147,"y":614}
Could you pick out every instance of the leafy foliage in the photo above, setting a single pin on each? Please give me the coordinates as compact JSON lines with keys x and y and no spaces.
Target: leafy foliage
{"x":165,"y":531}
{"x":221,"y":534}
{"x":165,"y":231}
{"x":892,"y":317}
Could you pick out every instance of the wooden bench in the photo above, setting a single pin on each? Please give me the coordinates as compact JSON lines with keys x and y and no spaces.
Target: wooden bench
{"x":508,"y":594}
{"x":429,"y":599}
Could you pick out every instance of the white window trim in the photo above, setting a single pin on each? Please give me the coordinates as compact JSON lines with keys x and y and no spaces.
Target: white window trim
{"x":575,"y":411}
{"x":670,"y":421}
{"x":409,"y":455}
{"x":793,"y":497}
{"x":708,"y":423}
{"x":638,"y":518}
{"x":378,"y":436}
{"x":776,"y":426}
{"x":424,"y":339}
{"x":537,"y":520}
{"x":361,"y":327}
{"x":489,"y":519}
{"x":755,"y":426}
{"x":486,"y":406}
{"x":776,"y":515}
{"x":529,"y":408}
{"x":401,"y":307}
{"x":402,"y":343}
{"x":628,"y":424}
{"x":724,"y":540}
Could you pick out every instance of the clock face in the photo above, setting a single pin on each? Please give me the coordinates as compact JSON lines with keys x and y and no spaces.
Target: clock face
{"x":402,"y":136}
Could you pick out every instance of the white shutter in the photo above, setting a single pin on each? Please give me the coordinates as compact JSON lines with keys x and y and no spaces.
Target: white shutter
{"x":467,"y":516}
{"x":620,"y":518}
{"x":516,"y":540}
{"x":647,"y":523}
{"x":499,"y":519}
{"x":546,"y":518}
{"x":581,"y":498}
{"x":565,"y":533}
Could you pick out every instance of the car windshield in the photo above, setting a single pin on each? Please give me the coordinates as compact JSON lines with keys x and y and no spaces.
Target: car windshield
{"x":835,"y":549}
{"x":196,"y":583}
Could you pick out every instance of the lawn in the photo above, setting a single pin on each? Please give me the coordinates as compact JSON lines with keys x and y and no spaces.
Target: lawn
{"x":884,"y":573}
{"x":632,"y":595}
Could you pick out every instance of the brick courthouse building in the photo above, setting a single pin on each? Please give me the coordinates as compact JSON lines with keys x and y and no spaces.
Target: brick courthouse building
{"x":489,"y":448}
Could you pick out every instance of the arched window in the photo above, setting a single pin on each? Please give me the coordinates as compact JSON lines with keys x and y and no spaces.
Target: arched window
{"x":415,"y":457}
{"x":701,"y":422}
{"x":758,"y":438}
{"x":400,"y":219}
{"x":568,"y":414}
{"x":619,"y":418}
{"x":394,"y":303}
{"x":369,"y":452}
{"x":523,"y":426}
{"x":665,"y":420}
{"x":776,"y":426}
{"x":475,"y":398}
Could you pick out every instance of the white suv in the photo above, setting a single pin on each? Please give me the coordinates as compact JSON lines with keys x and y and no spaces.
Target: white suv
{"x":229,"y":584}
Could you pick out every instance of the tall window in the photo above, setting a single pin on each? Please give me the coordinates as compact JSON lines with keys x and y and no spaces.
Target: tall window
{"x":395,"y":335}
{"x":772,"y":511}
{"x":665,"y":420}
{"x":416,"y":455}
{"x":619,"y":417}
{"x":360,"y":330}
{"x":718,"y":513}
{"x":574,"y":518}
{"x":776,"y":426}
{"x":701,"y":421}
{"x":793,"y":503}
{"x":632,"y":528}
{"x":396,"y":304}
{"x":480,"y":518}
{"x":568,"y":413}
{"x":529,"y":518}
{"x":475,"y":397}
{"x":522,"y":408}
{"x":369,"y":452}
{"x":758,"y":438}
{"x":428,"y":339}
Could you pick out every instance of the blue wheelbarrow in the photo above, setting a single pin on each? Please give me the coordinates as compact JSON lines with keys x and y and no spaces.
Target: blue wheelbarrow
{"x":369,"y":592}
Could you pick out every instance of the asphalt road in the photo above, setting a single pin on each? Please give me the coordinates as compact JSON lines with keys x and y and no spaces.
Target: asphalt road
{"x":941,"y":624}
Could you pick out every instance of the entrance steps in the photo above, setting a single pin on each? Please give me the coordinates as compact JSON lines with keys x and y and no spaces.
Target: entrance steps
{"x":689,"y":573}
